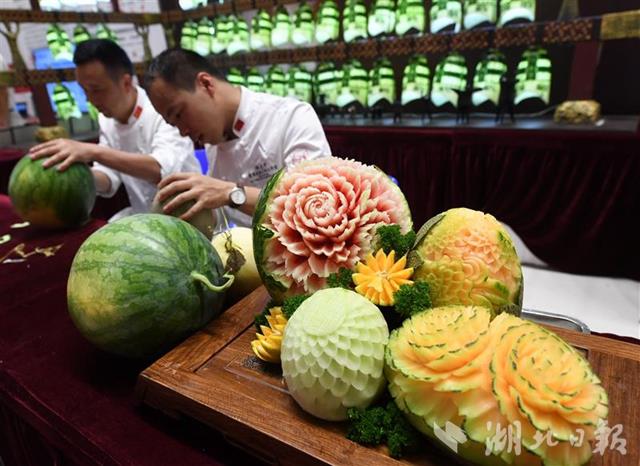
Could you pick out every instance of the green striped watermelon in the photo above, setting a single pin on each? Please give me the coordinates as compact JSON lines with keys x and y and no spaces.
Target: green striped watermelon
{"x":204,"y":221}
{"x":139,"y":285}
{"x":51,"y":199}
{"x":319,"y":216}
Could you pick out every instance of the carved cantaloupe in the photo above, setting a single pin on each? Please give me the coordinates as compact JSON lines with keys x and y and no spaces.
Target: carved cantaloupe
{"x":453,"y":364}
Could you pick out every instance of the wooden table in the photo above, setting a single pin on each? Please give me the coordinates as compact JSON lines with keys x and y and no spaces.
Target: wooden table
{"x":215,"y":378}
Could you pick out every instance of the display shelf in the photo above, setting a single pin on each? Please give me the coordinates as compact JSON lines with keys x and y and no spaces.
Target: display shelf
{"x":580,"y":30}
{"x":35,"y":77}
{"x":32,"y":16}
{"x":173,"y":16}
{"x":554,"y":32}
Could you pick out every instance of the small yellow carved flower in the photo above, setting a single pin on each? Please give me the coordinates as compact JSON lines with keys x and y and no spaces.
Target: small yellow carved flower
{"x":268,"y":343}
{"x":379,"y":277}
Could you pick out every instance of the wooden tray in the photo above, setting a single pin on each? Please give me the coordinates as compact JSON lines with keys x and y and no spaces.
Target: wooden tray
{"x":215,"y":378}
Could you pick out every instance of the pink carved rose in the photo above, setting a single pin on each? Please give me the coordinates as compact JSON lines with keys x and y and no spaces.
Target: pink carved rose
{"x":324,"y":214}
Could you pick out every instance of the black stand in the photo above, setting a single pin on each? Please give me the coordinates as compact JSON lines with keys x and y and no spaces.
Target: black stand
{"x":505,"y":102}
{"x":420,"y":107}
{"x":464,"y":103}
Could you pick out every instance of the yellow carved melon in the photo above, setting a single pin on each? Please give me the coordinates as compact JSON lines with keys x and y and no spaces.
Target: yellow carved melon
{"x":454,"y":365}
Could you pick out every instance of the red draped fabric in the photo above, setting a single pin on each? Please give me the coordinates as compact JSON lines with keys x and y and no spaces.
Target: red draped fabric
{"x":62,"y":401}
{"x":573,"y":196}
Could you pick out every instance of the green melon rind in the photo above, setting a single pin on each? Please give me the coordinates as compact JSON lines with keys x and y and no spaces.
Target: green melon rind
{"x":261,"y":235}
{"x":408,"y":226}
{"x":70,"y":195}
{"x":154,"y":255}
{"x":203,"y":220}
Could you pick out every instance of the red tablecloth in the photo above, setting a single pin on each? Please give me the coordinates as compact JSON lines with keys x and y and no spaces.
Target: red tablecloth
{"x":61,"y":400}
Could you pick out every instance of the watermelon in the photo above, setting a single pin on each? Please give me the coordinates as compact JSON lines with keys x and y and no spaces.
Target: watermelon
{"x":204,"y":220}
{"x":139,"y":285}
{"x":51,"y":199}
{"x":319,"y":216}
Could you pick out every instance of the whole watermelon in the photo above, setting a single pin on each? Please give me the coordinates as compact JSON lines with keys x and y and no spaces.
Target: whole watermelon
{"x":204,"y":221}
{"x":51,"y":199}
{"x":139,"y":285}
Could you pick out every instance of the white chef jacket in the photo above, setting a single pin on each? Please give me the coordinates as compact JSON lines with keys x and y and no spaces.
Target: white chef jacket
{"x":146,"y":132}
{"x":272,"y":132}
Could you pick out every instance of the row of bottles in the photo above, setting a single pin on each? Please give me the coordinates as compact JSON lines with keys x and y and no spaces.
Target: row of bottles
{"x":232,"y":34}
{"x":61,"y":45}
{"x":65,"y":105}
{"x":342,"y":86}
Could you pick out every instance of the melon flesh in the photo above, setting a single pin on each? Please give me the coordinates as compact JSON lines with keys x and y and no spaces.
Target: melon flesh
{"x":247,"y":278}
{"x":204,"y":220}
{"x":333,"y":353}
{"x":453,"y":364}
{"x":467,"y":257}
{"x":319,"y":216}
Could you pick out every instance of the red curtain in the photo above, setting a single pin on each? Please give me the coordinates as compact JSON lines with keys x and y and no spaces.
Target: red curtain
{"x":573,"y":196}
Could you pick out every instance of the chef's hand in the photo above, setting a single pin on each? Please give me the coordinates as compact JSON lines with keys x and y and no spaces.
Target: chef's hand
{"x":207,"y":192}
{"x":63,"y":152}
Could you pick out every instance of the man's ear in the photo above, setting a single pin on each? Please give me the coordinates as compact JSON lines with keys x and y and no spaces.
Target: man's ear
{"x":207,"y":82}
{"x":127,"y":81}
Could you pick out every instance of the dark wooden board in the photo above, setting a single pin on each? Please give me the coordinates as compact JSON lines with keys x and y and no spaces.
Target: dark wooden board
{"x":215,"y":378}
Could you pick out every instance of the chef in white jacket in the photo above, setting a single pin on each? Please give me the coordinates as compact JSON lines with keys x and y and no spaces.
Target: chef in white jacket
{"x":137,"y":147}
{"x":249,"y":135}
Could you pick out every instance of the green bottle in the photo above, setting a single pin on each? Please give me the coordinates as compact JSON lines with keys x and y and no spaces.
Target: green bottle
{"x":445,"y":14}
{"x":64,"y":103}
{"x":275,"y":81}
{"x":327,"y":83}
{"x":223,"y":26}
{"x":189,"y":35}
{"x":480,"y":13}
{"x":487,"y":77}
{"x":80,"y":34}
{"x":382,"y":18}
{"x":53,"y":40}
{"x":59,"y":43}
{"x":235,"y":77}
{"x":255,"y":80}
{"x":450,"y":74}
{"x":261,"y":27}
{"x":103,"y":32}
{"x":382,"y":83}
{"x":303,"y":27}
{"x":354,"y":20}
{"x":300,"y":83}
{"x":238,"y":36}
{"x":202,"y":42}
{"x":416,"y":79}
{"x":327,"y":22}
{"x":191,"y":4}
{"x":281,"y":33}
{"x":355,"y":84}
{"x":410,"y":17}
{"x":217,"y":41}
{"x":533,"y":76}
{"x":517,"y":11}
